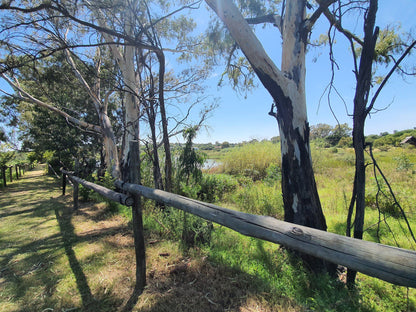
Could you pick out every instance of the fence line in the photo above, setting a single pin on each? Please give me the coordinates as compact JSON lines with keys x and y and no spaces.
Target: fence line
{"x":392,"y":264}
{"x":110,"y":194}
{"x":19,"y":168}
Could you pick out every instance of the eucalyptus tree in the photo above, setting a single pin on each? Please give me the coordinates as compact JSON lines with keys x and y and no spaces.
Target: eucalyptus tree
{"x":374,"y":46}
{"x":286,"y":85}
{"x":32,"y":31}
{"x":130,"y":31}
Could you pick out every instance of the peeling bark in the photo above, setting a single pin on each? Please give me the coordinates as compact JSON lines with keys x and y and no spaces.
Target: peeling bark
{"x":287,"y":88}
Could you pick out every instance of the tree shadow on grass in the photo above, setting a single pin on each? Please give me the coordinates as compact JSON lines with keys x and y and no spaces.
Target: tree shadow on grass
{"x":31,"y":246}
{"x":68,"y":237}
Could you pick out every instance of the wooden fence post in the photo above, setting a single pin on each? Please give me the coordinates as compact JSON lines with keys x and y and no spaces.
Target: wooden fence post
{"x":134,"y":177}
{"x":63,"y":184}
{"x":76,"y":186}
{"x":3,"y":172}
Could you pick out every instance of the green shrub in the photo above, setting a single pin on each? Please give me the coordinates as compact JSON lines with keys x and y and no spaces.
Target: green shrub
{"x":273,"y":174}
{"x":85,"y":193}
{"x":214,"y":186}
{"x":382,"y":202}
{"x":261,"y":199}
{"x":189,"y":229}
{"x":403,"y":163}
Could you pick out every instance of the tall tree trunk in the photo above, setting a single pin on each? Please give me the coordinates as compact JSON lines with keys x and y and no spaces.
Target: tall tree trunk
{"x":301,"y":200}
{"x":126,"y":61}
{"x":110,"y":147}
{"x":287,"y":88}
{"x":362,"y":91}
{"x":166,"y":143}
{"x":109,"y":139}
{"x":154,"y":154}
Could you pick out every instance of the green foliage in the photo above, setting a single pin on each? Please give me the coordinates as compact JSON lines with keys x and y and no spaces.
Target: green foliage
{"x":215,"y":186}
{"x":388,"y":43}
{"x":53,"y":81}
{"x":328,"y":136}
{"x":392,"y":139}
{"x":273,"y":174}
{"x":345,"y":142}
{"x":337,"y":133}
{"x":6,"y":157}
{"x":259,"y":198}
{"x":187,"y":228}
{"x":108,"y":181}
{"x":188,"y":181}
{"x":34,"y":157}
{"x":251,"y":160}
{"x":379,"y":200}
{"x":278,"y":275}
{"x":403,"y":163}
{"x":320,"y":131}
{"x":190,"y":160}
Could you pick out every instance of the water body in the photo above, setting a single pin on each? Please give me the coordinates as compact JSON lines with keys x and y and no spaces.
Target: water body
{"x":211,"y":163}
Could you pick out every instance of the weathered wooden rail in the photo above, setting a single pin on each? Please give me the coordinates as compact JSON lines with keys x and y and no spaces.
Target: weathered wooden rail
{"x":394,"y":265}
{"x":110,"y":194}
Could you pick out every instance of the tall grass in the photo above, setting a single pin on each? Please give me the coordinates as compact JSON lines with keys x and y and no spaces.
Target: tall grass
{"x":259,"y":198}
{"x":251,"y":160}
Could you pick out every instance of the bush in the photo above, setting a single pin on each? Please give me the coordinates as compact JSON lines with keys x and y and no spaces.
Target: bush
{"x":273,"y":174}
{"x":382,"y":202}
{"x":261,"y":199}
{"x":190,"y":229}
{"x":345,"y":142}
{"x":85,"y":193}
{"x":403,"y":163}
{"x":214,"y":186}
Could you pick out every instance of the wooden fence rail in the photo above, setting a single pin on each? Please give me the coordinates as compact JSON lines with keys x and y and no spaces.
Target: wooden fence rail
{"x":394,"y":265}
{"x":110,"y":194}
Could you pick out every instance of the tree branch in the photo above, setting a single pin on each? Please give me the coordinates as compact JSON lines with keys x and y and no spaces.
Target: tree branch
{"x":274,"y":19}
{"x":392,"y":70}
{"x":252,"y":48}
{"x":337,"y":24}
{"x":323,"y":5}
{"x":23,"y":95}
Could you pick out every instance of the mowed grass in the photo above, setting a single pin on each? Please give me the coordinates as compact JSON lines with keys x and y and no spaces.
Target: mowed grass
{"x":47,"y":263}
{"x":55,"y":259}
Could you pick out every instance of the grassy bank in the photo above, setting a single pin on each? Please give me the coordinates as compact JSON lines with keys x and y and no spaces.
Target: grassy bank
{"x":53,"y":259}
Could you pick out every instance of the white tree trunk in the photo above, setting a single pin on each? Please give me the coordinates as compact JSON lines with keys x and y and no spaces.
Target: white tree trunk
{"x":287,"y":88}
{"x":109,"y":140}
{"x":125,"y":58}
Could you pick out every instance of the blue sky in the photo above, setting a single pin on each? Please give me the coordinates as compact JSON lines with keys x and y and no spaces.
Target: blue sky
{"x":241,"y":119}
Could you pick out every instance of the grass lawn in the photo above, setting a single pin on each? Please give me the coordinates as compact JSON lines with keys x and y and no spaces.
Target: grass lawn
{"x":55,"y":259}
